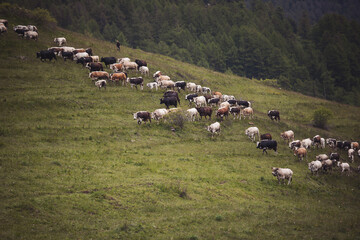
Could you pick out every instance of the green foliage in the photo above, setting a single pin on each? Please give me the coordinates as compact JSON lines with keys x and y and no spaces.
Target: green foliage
{"x":321,"y":117}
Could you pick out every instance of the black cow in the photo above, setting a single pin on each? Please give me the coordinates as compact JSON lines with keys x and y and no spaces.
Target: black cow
{"x":21,"y":31}
{"x":180,"y":85}
{"x":169,"y":101}
{"x":335,"y":156}
{"x":190,"y":97}
{"x":244,"y":103}
{"x":232,"y":101}
{"x":89,"y":51}
{"x":331,"y":142}
{"x":343,"y":145}
{"x":213,"y":101}
{"x":172,"y":94}
{"x":274,"y":115}
{"x":142,"y":116}
{"x":108,"y":60}
{"x":267,"y":144}
{"x":84,"y":60}
{"x":140,"y":63}
{"x":46,"y":54}
{"x":136,"y":81}
{"x":67,"y":55}
{"x":204,"y":111}
{"x":95,"y":66}
{"x":265,"y":136}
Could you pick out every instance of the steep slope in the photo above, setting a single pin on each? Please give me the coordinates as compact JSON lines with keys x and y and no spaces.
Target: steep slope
{"x":75,"y":165}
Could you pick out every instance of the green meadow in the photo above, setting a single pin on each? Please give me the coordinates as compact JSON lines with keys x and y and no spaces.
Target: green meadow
{"x":74,"y":164}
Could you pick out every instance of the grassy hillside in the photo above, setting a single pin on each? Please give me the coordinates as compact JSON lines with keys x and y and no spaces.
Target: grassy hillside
{"x":75,"y":165}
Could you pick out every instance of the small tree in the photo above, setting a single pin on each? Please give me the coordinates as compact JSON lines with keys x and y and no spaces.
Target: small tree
{"x":321,"y":117}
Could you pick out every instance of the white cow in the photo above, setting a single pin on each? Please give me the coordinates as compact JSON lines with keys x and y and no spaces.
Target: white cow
{"x":129,"y":66}
{"x":306,"y":143}
{"x":60,"y":41}
{"x":122,"y":60}
{"x":100,"y":84}
{"x":191,"y":86}
{"x":144,"y":70}
{"x":95,"y":58}
{"x":282,"y":174}
{"x":315,"y":166}
{"x":31,"y":35}
{"x":80,"y":55}
{"x":344,"y":166}
{"x":214,"y":128}
{"x":351,"y":153}
{"x":159,"y":113}
{"x":251,"y":133}
{"x":199,"y":101}
{"x":192,"y":113}
{"x":152,"y":85}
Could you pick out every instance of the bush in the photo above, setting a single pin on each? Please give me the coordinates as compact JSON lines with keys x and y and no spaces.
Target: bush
{"x":176,"y":119}
{"x":321,"y":117}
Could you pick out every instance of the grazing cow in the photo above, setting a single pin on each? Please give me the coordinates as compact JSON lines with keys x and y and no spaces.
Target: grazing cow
{"x":129,"y":66}
{"x":136,"y":81}
{"x":287,"y":136}
{"x":322,"y":157}
{"x":116,"y":67}
{"x":167,"y":84}
{"x":315,"y":166}
{"x":295,"y":144}
{"x":235,"y":111}
{"x":152,"y":85}
{"x":306,"y":143}
{"x":169,"y":101}
{"x":266,"y":136}
{"x":346,"y":145}
{"x":159,"y":114}
{"x":172,"y":94}
{"x":199,"y":101}
{"x":5,"y":22}
{"x":224,"y":104}
{"x":100,"y":84}
{"x":214,"y":128}
{"x":191,"y":86}
{"x":46,"y":54}
{"x":327,"y":164}
{"x":331,"y":142}
{"x":251,"y":133}
{"x":142,"y":116}
{"x":122,"y":60}
{"x":95,"y":58}
{"x":180,"y":85}
{"x":217,"y":94}
{"x":316,"y":141}
{"x":119,"y":77}
{"x":66,"y":49}
{"x":354,"y":145}
{"x":108,"y":60}
{"x":204,"y":111}
{"x":206,"y":90}
{"x":222,"y":112}
{"x":322,"y":143}
{"x":232,"y":102}
{"x":213,"y":101}
{"x":96,"y":75}
{"x":190,"y":97}
{"x":300,"y":153}
{"x":84,"y":60}
{"x":274,"y":115}
{"x":162,"y":78}
{"x":351,"y":153}
{"x":198,"y":88}
{"x":21,"y":32}
{"x":192,"y":113}
{"x":267,"y":144}
{"x":140,"y":63}
{"x":335,"y":157}
{"x":282,"y":174}
{"x":3,"y":29}
{"x":344,"y":167}
{"x":144,"y":70}
{"x":89,"y":51}
{"x":67,"y":55}
{"x":79,"y":50}
{"x":31,"y":35}
{"x":94,"y":66}
{"x":226,"y":98}
{"x":60,"y":41}
{"x":32,"y":28}
{"x":244,"y":103}
{"x":247,"y":112}
{"x":80,"y":55}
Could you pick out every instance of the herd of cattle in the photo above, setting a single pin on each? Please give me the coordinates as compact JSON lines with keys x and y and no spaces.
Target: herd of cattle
{"x":203,"y":99}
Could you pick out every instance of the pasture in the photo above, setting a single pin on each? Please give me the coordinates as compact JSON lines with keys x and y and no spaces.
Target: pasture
{"x":74,"y":164}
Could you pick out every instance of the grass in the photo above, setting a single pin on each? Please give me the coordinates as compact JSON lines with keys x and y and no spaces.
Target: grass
{"x":75,"y":165}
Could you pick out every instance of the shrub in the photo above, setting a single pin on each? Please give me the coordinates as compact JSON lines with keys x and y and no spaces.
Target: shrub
{"x":321,"y":117}
{"x":176,"y":119}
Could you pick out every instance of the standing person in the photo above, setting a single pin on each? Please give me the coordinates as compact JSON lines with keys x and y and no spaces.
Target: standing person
{"x":118,"y":45}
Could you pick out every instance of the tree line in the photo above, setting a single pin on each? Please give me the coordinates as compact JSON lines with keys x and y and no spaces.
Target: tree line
{"x":253,"y":39}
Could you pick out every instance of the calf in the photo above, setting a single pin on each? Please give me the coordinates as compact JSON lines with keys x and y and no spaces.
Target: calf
{"x":266,"y":136}
{"x":136,"y":81}
{"x":282,"y":174}
{"x":152,"y":85}
{"x":274,"y":115}
{"x":204,"y":111}
{"x":142,"y":116}
{"x":267,"y":144}
{"x":100,"y":84}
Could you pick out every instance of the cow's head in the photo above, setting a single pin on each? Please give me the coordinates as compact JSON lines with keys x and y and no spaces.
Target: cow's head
{"x":258,"y":145}
{"x":274,"y":171}
{"x":135,"y":115}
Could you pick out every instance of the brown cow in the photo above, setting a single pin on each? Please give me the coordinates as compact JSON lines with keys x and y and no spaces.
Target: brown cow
{"x":142,"y":116}
{"x":265,"y":136}
{"x":222,"y":112}
{"x":117,"y":77}
{"x":247,"y":112}
{"x":99,"y":75}
{"x":300,"y":153}
{"x":116,"y":67}
{"x":204,"y":111}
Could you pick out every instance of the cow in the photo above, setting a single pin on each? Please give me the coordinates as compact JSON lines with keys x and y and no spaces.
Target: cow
{"x":142,"y":116}
{"x":287,"y":136}
{"x":306,"y":143}
{"x":167,"y":84}
{"x":315,"y":166}
{"x":344,"y":167}
{"x":351,"y":153}
{"x":46,"y":54}
{"x":199,"y":101}
{"x":3,"y":29}
{"x":247,"y":112}
{"x":136,"y":81}
{"x":266,"y":136}
{"x":94,"y":66}
{"x":316,"y":141}
{"x":251,"y":132}
{"x":60,"y":41}
{"x":222,"y":112}
{"x":206,"y":90}
{"x":80,"y":55}
{"x":224,"y":104}
{"x":331,"y":142}
{"x":32,"y":28}
{"x":119,"y":77}
{"x":204,"y":111}
{"x":21,"y":32}
{"x":172,"y":94}
{"x":191,"y":86}
{"x":214,"y":128}
{"x":226,"y":98}
{"x":159,"y":113}
{"x":122,"y":60}
{"x":198,"y":88}
{"x":295,"y":144}
{"x":100,"y":84}
{"x":300,"y":153}
{"x":31,"y":35}
{"x":354,"y":145}
{"x":244,"y":104}
{"x":169,"y":101}
{"x":213,"y":101}
{"x":235,"y":111}
{"x":140,"y":63}
{"x":152,"y":85}
{"x":343,"y":145}
{"x":84,"y":60}
{"x":267,"y":144}
{"x":129,"y":66}
{"x":67,"y":55}
{"x":5,"y":22}
{"x":335,"y":157}
{"x":322,"y":157}
{"x":96,"y":75}
{"x":232,"y":102}
{"x":217,"y":94}
{"x":180,"y":85}
{"x":144,"y":70}
{"x":95,"y":58}
{"x":274,"y":115}
{"x":192,"y":113}
{"x":282,"y":174}
{"x":108,"y":60}
{"x":89,"y":51}
{"x":190,"y":97}
{"x":116,"y":67}
{"x":79,"y":50}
